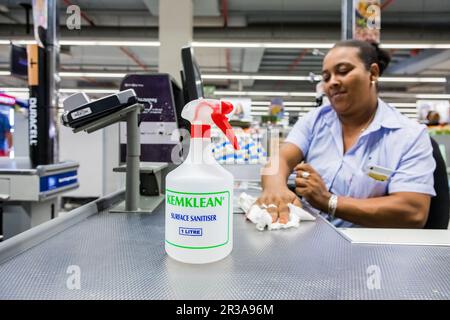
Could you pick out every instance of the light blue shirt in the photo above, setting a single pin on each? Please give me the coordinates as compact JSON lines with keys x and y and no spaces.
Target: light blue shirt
{"x":391,"y":141}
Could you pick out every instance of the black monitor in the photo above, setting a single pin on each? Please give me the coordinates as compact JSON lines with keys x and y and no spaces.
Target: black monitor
{"x":19,"y":63}
{"x":190,"y":76}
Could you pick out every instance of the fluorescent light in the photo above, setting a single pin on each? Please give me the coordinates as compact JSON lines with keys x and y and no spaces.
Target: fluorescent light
{"x":18,"y":41}
{"x":285,"y":78}
{"x":285,"y":108}
{"x":312,"y":45}
{"x":226,"y":77}
{"x":264,"y":93}
{"x":299,"y":103}
{"x":247,"y":93}
{"x":432,"y":96}
{"x":415,"y":46}
{"x":199,"y":44}
{"x":219,"y":44}
{"x":21,"y":95}
{"x":5,"y":73}
{"x":286,"y":103}
{"x":287,"y":45}
{"x":302,"y":94}
{"x":259,"y":77}
{"x":404,"y":110}
{"x":261,"y":113}
{"x":413,"y":79}
{"x":10,"y":89}
{"x":403,"y":104}
{"x":413,"y":95}
{"x":91,"y":74}
{"x":88,"y":90}
{"x":65,"y":90}
{"x":137,"y":43}
{"x":315,"y":78}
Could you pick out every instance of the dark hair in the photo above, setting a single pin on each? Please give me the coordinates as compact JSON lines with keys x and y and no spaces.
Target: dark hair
{"x":369,"y":53}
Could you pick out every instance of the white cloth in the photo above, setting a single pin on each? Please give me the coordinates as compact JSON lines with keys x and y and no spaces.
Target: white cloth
{"x":262,"y":218}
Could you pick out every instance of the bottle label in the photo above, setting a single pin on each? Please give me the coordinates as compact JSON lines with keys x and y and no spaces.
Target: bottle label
{"x":196,"y":220}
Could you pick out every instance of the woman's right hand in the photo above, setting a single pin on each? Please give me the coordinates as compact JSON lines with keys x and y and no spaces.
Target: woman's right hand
{"x":276,"y":200}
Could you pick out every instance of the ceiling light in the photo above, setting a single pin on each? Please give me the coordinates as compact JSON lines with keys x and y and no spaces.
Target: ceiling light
{"x":264,"y":93}
{"x":137,"y":43}
{"x":413,"y":79}
{"x":88,"y":90}
{"x":219,"y":44}
{"x":286,"y":103}
{"x":18,"y":41}
{"x":286,"y":45}
{"x":259,"y":77}
{"x":311,"y":45}
{"x":403,"y":104}
{"x":415,"y":46}
{"x":9,"y":89}
{"x":432,"y":96}
{"x":315,"y":78}
{"x":224,"y":93}
{"x":91,"y":74}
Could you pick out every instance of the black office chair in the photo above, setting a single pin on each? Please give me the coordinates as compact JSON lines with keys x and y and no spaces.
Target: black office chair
{"x":438,"y":215}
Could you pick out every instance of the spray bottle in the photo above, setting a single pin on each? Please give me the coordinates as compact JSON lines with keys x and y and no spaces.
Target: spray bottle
{"x":199,"y":193}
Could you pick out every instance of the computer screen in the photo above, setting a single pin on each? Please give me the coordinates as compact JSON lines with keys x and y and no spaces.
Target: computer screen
{"x":19,"y":63}
{"x":191,"y":76}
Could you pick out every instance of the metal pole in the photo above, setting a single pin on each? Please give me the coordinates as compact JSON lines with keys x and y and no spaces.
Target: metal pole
{"x":347,"y":17}
{"x":133,"y":155}
{"x":43,"y":138}
{"x":52,"y":59}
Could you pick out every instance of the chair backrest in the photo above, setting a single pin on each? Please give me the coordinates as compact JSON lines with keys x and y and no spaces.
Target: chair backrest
{"x":438,"y":216}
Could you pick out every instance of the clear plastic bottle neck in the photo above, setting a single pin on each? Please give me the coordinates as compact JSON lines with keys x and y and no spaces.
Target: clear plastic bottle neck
{"x":200,"y":151}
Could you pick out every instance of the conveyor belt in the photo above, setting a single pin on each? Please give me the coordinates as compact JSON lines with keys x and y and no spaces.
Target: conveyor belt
{"x":122,"y":257}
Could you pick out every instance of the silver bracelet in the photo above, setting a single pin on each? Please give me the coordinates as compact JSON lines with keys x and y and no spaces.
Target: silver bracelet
{"x":332,"y":205}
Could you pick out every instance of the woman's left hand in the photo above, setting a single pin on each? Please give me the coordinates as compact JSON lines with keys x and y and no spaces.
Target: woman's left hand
{"x":310,"y":186}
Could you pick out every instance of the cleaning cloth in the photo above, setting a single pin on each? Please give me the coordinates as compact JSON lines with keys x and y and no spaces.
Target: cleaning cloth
{"x":262,"y":218}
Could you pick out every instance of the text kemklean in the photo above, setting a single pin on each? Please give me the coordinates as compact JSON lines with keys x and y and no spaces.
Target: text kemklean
{"x":195,"y":202}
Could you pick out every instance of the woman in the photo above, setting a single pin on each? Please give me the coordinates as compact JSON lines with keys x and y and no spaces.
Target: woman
{"x":364,"y":163}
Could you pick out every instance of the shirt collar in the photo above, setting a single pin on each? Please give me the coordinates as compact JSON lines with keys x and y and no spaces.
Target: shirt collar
{"x":385,"y":116}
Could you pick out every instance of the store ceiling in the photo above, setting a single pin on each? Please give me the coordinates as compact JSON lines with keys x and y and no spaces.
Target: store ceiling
{"x":250,"y":20}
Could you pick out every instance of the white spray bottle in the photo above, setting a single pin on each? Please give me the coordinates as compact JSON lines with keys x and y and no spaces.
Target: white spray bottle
{"x":199,"y":193}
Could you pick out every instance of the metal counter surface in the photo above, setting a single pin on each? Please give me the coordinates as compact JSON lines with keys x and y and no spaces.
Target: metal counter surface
{"x":122,"y":256}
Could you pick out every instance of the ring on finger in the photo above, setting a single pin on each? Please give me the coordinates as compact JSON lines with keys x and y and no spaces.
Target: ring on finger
{"x":271,"y":206}
{"x":305,"y":174}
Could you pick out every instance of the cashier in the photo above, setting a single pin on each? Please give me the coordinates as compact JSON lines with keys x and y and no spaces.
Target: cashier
{"x":357,"y":160}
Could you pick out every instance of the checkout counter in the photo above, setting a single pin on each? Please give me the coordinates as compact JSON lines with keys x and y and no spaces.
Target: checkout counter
{"x":121,"y":256}
{"x":29,"y":196}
